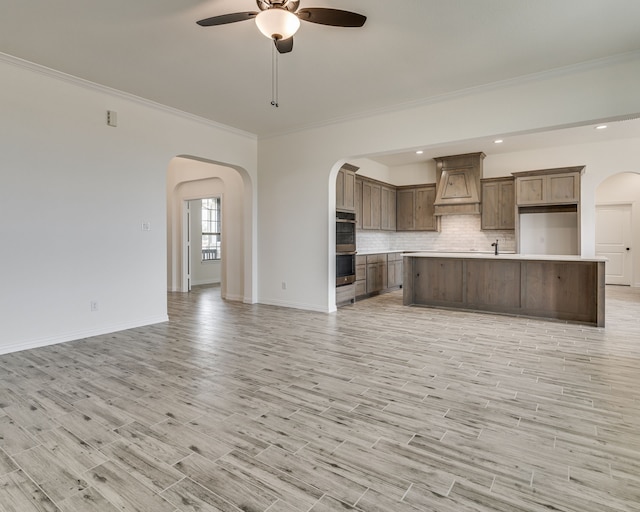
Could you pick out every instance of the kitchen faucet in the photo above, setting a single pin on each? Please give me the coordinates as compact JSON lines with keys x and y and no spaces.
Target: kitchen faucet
{"x":495,"y":244}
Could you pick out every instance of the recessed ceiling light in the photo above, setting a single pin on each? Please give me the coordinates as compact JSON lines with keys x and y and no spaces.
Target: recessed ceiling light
{"x":498,"y":141}
{"x":601,"y":127}
{"x":419,"y":152}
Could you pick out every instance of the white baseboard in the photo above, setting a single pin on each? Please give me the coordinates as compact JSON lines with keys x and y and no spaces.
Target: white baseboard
{"x":294,"y":305}
{"x":79,"y":335}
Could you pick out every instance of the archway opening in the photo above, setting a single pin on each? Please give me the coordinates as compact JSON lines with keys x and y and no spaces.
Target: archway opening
{"x":193,"y":179}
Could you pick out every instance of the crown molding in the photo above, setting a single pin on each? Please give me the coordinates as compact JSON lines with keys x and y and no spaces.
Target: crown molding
{"x":87,"y":84}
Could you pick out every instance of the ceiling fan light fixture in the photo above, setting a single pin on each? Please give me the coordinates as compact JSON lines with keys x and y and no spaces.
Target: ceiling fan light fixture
{"x":277,"y":23}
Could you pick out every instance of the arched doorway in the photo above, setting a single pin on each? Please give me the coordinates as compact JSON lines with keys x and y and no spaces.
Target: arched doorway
{"x":617,"y":223}
{"x":190,"y":178}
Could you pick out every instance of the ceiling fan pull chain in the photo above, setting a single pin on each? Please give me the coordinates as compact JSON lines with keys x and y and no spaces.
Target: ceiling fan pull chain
{"x":274,"y":77}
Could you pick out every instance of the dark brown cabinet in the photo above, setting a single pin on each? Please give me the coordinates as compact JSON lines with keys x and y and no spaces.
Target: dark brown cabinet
{"x":394,"y":270}
{"x":376,"y":272}
{"x":387,"y":208}
{"x":415,"y":208}
{"x":345,"y":189}
{"x":375,"y":205}
{"x":371,"y":194}
{"x":548,"y":186}
{"x":498,"y":203}
{"x":358,"y":203}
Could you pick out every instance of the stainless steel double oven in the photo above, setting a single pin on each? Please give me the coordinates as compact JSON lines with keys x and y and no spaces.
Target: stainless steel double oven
{"x":345,"y":248}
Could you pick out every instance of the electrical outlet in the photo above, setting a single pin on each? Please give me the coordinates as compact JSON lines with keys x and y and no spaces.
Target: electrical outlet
{"x":146,"y":226}
{"x":93,"y":305}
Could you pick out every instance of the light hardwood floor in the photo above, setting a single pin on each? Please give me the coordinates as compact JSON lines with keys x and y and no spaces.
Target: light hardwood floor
{"x":379,"y":407}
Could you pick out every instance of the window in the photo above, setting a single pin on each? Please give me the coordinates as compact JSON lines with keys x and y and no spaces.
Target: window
{"x":211,"y":229}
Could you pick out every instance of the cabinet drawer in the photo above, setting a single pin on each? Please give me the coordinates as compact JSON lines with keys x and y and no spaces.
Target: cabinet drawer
{"x":361,"y":288}
{"x":361,"y":272}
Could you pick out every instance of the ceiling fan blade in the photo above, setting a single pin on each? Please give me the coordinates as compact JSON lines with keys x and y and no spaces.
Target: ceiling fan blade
{"x":284,"y":45}
{"x":226,"y":18}
{"x":333,"y":17}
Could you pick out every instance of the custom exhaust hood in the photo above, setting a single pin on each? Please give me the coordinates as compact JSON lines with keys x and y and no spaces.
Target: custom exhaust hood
{"x":458,"y":184}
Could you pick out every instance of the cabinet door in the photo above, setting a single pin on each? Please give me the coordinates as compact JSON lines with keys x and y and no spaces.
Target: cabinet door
{"x":391,"y":213}
{"x":340,"y":190}
{"x":563,"y":188}
{"x":491,"y":205}
{"x":376,"y":206}
{"x":424,"y":211}
{"x":349,"y":190}
{"x":366,"y":206}
{"x":498,"y":204}
{"x":358,"y":203}
{"x":531,"y":190}
{"x":397,"y":273}
{"x":391,"y":274}
{"x":405,"y":205}
{"x":388,"y":209}
{"x":507,"y":205}
{"x":382,"y":270}
{"x":372,"y":278}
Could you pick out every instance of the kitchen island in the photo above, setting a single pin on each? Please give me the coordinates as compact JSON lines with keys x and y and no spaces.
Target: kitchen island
{"x":568,"y":288}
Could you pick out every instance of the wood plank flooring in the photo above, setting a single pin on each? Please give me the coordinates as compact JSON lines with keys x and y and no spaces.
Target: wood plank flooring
{"x":379,"y":407}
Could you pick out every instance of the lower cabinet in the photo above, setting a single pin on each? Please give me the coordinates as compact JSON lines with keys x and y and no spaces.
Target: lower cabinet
{"x":394,"y":270}
{"x":361,"y":276}
{"x":377,"y":273}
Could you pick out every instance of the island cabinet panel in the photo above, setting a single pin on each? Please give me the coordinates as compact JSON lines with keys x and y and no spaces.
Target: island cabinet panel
{"x":561,"y":288}
{"x":438,"y":281}
{"x":492,"y":284}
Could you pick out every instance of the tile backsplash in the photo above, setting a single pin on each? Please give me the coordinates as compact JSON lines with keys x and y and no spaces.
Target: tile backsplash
{"x":457,"y":233}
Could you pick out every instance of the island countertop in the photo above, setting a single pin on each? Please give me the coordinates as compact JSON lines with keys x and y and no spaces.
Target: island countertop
{"x":560,"y":287}
{"x":501,"y":256}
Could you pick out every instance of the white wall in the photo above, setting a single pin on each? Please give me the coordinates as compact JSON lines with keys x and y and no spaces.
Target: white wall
{"x":74,"y":195}
{"x":297,"y":170}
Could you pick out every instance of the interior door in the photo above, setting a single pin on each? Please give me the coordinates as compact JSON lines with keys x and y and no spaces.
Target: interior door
{"x":613,"y":241}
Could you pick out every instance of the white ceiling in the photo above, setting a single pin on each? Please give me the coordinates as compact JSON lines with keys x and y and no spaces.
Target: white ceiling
{"x":408,"y":50}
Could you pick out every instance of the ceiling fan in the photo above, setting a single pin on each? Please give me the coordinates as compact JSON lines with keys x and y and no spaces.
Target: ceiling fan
{"x":279,"y":20}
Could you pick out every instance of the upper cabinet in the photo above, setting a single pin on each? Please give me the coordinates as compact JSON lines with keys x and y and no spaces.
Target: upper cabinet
{"x":548,"y":186}
{"x":375,"y":205}
{"x":415,"y":208}
{"x":371,"y":207}
{"x":346,"y":188}
{"x":358,"y":202}
{"x":498,"y":203}
{"x":387,"y":208}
